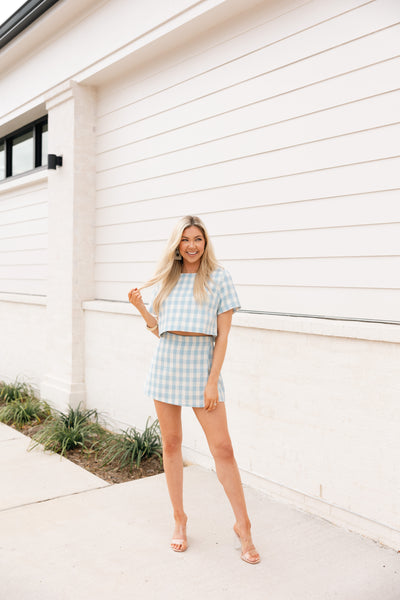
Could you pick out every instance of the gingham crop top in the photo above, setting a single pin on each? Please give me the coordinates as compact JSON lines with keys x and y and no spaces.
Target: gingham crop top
{"x":181,"y":312}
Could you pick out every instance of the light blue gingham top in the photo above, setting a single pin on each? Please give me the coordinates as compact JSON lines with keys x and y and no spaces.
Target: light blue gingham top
{"x":181,"y":312}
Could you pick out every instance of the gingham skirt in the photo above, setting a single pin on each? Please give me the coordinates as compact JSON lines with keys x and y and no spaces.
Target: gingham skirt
{"x":180,"y":368}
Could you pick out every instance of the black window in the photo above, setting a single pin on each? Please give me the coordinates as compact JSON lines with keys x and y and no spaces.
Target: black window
{"x":24,"y":150}
{"x":2,"y":160}
{"x":43,"y":138}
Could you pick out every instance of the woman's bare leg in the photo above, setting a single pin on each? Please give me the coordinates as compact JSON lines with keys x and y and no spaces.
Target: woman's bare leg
{"x":169,"y":417}
{"x":215,"y":427}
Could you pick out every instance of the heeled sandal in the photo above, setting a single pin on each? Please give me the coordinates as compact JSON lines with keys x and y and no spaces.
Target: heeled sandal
{"x":246,"y":556}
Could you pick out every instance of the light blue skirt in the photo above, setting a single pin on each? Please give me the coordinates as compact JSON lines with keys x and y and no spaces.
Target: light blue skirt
{"x":180,"y":368}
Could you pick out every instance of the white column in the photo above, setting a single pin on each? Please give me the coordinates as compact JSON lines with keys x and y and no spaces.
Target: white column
{"x":71,"y":193}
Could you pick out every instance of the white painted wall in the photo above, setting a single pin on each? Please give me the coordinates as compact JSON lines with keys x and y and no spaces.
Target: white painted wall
{"x":280,"y":128}
{"x":276,"y":121}
{"x":23,"y":338}
{"x":23,"y":235}
{"x":294,"y":422}
{"x":313,"y":418}
{"x":23,"y":277}
{"x":73,"y":36}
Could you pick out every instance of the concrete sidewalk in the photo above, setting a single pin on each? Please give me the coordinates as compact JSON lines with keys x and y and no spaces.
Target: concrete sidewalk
{"x":68,"y":535}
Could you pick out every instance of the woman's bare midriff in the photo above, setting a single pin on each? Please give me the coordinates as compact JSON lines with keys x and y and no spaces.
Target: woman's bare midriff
{"x":188,"y":333}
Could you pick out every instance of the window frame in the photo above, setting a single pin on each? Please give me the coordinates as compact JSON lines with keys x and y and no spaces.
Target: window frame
{"x":37,"y":128}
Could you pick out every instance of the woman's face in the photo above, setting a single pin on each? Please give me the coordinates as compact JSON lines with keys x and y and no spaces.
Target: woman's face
{"x":191,"y":247}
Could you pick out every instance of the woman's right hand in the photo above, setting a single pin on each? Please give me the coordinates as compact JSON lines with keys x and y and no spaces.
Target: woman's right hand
{"x":135,"y":298}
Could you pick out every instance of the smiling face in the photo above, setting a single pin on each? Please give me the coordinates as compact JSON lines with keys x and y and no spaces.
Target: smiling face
{"x":191,"y":247}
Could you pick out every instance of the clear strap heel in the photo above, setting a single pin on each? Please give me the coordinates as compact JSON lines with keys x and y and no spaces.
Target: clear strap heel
{"x":236,"y":541}
{"x":246,"y":556}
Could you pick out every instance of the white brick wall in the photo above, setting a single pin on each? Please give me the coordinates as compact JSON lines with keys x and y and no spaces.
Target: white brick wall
{"x":23,"y":339}
{"x":313,"y":418}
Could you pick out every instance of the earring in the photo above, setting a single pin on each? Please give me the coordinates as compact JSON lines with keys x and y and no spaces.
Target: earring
{"x":178,"y":255}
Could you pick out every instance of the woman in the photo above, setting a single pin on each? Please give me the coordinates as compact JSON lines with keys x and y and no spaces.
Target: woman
{"x":194,"y":301}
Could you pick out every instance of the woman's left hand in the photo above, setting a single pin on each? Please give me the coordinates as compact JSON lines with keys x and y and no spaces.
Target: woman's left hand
{"x":211,"y":396}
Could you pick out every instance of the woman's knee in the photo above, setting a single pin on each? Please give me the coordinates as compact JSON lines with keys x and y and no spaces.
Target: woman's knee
{"x":223,"y":450}
{"x":172,"y":444}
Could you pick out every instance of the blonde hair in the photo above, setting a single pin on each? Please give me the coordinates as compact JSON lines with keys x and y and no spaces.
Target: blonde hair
{"x":169,"y":268}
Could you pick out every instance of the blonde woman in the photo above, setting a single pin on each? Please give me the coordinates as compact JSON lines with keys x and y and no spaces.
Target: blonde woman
{"x":191,"y":314}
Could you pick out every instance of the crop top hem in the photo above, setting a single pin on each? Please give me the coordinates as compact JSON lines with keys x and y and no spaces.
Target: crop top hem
{"x":187,"y":332}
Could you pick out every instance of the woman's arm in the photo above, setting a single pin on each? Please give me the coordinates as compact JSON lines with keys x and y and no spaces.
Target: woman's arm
{"x":135,"y":298}
{"x":224,"y":321}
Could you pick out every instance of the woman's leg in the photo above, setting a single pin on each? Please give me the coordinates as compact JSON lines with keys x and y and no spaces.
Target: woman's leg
{"x":215,"y":427}
{"x":169,"y":417}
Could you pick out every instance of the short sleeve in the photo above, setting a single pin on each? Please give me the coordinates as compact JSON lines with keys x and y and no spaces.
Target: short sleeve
{"x":228,"y":298}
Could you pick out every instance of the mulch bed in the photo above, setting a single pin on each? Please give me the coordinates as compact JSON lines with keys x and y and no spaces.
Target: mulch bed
{"x":87,"y":460}
{"x":110,"y":473}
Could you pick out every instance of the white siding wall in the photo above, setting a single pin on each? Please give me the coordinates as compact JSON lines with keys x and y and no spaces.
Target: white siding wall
{"x":281,"y":130}
{"x":23,"y":237}
{"x":23,"y":339}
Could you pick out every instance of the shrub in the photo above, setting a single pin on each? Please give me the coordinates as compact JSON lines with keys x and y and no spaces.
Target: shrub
{"x":62,"y":432}
{"x":15,"y":391}
{"x":22,"y":411}
{"x":130,"y":447}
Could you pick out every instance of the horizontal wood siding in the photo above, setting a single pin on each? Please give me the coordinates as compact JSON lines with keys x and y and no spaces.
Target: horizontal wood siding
{"x":23,"y":240}
{"x":281,"y":130}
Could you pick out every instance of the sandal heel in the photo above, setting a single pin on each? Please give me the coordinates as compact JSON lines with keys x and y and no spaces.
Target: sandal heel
{"x":236,"y":541}
{"x":246,"y":556}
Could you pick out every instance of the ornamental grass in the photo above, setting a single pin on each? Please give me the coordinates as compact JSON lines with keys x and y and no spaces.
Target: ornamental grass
{"x":78,"y":428}
{"x":20,"y":406}
{"x":22,"y":412}
{"x":129,"y":447}
{"x":15,"y":391}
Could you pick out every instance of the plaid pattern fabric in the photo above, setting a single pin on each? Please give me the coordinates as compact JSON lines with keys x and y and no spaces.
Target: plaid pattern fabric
{"x":180,"y":368}
{"x":181,"y":312}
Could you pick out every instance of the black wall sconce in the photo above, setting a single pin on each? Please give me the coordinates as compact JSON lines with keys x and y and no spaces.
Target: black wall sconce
{"x":54,"y":161}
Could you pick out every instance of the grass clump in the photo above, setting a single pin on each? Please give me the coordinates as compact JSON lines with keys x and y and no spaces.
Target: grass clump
{"x":19,"y":405}
{"x":17,"y":391}
{"x":131,"y":446}
{"x":78,"y":428}
{"x":22,"y":412}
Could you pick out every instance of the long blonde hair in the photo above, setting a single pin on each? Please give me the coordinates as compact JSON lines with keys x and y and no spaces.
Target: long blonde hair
{"x":169,"y":268}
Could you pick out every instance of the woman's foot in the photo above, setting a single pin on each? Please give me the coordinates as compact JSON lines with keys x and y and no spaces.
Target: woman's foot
{"x":249,"y":553}
{"x":179,"y":540}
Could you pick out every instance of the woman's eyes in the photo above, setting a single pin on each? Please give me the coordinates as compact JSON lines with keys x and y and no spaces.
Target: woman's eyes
{"x":199,"y":239}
